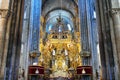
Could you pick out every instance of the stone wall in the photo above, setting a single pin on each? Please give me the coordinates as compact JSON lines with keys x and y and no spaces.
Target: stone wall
{"x":108,"y":23}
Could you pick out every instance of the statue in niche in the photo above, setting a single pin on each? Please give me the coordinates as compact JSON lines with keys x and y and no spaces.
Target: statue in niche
{"x":59,"y":68}
{"x":60,"y":64}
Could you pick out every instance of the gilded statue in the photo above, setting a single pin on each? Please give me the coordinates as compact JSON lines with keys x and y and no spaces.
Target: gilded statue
{"x":60,"y":64}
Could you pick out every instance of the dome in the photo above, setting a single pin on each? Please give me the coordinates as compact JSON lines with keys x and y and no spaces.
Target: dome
{"x":59,"y":22}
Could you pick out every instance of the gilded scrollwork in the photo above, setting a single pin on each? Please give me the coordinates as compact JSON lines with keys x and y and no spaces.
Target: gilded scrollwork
{"x":60,"y":51}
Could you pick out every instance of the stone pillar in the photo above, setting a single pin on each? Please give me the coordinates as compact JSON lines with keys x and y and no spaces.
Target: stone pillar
{"x":116,"y":25}
{"x":116,"y":28}
{"x":3,"y":18}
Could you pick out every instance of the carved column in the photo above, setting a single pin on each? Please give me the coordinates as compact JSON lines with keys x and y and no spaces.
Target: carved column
{"x":116,"y":28}
{"x":3,"y":14}
{"x":3,"y":18}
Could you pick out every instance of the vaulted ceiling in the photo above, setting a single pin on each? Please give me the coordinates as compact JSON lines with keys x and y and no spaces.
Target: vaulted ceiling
{"x":50,"y":5}
{"x":53,"y":9}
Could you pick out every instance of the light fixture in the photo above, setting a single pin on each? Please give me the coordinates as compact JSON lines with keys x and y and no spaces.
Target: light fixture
{"x":37,"y":71}
{"x":83,"y":71}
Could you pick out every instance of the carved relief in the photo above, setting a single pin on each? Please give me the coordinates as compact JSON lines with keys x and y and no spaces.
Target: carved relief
{"x":3,"y":13}
{"x":115,"y":11}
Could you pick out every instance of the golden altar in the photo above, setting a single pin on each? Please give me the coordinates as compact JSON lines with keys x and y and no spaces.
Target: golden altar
{"x":59,"y":53}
